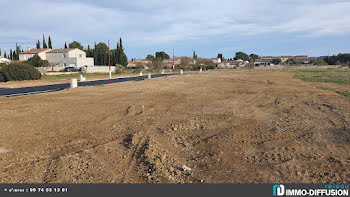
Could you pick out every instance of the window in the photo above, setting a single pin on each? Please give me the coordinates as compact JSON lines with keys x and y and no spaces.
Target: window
{"x":64,"y":55}
{"x":25,"y":57}
{"x":64,"y":64}
{"x":80,"y":55}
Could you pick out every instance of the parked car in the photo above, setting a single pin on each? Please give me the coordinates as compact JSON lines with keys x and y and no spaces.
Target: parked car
{"x":71,"y":69}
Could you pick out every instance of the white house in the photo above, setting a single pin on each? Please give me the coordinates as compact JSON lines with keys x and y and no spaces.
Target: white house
{"x":69,"y":58}
{"x":24,"y":56}
{"x":216,"y":60}
{"x":4,"y":60}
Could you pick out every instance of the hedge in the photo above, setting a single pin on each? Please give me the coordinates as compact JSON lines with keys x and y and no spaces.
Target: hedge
{"x":36,"y":61}
{"x":2,"y":77}
{"x":19,"y":72}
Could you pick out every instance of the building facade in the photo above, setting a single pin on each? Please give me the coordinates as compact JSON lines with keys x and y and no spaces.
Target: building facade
{"x":69,"y":58}
{"x":24,"y":56}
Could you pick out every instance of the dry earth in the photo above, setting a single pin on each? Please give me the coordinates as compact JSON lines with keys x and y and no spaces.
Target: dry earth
{"x":217,"y":127}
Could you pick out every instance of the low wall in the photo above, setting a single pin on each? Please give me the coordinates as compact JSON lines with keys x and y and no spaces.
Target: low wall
{"x":49,"y":69}
{"x":99,"y":69}
{"x":93,"y":69}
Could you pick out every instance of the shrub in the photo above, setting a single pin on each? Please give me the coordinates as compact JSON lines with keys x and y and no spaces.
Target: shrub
{"x":19,"y":72}
{"x":119,"y":69}
{"x":36,"y":61}
{"x":2,"y":77}
{"x":320,"y":62}
{"x":250,"y":65}
{"x":210,"y":67}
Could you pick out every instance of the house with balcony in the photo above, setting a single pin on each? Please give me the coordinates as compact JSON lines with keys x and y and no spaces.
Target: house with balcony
{"x":69,"y":58}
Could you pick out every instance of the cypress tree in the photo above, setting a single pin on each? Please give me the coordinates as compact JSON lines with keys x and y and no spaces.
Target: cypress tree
{"x":11,"y":57}
{"x":89,"y":52}
{"x":117,"y":54}
{"x":44,"y":42}
{"x":0,"y":52}
{"x":65,"y":45}
{"x":38,"y":45}
{"x":50,"y":44}
{"x":5,"y":56}
{"x":194,"y":55}
{"x":14,"y":56}
{"x":18,"y":50}
{"x":123,"y":60}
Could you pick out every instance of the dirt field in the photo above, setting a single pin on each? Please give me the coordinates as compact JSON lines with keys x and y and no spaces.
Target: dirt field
{"x":217,"y":127}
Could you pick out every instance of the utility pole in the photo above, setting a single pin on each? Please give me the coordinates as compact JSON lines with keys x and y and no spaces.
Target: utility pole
{"x":173,"y":61}
{"x":109,"y":64}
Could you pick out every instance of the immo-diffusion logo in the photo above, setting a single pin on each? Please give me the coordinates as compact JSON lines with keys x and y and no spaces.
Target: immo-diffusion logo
{"x":278,"y":190}
{"x":327,"y":190}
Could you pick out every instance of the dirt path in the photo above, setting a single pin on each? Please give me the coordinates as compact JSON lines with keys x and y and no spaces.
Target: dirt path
{"x":218,"y":127}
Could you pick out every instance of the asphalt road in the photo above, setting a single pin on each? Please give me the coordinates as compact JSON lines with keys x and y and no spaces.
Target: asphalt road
{"x":12,"y":92}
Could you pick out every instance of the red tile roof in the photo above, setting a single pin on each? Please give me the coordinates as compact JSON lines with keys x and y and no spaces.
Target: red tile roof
{"x":34,"y":51}
{"x":60,"y":50}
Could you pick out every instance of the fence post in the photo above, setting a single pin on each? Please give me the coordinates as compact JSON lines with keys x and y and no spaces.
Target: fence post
{"x":73,"y":83}
{"x":82,"y":78}
{"x":149,"y":75}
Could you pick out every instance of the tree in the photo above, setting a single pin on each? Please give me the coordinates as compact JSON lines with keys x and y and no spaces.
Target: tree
{"x":162,"y":55}
{"x":220,"y":56}
{"x":101,"y":54}
{"x":115,"y":55}
{"x":44,"y":42}
{"x":76,"y":45}
{"x":18,"y":50}
{"x":337,"y":59}
{"x":123,"y":60}
{"x":194,"y":55}
{"x":254,"y":57}
{"x":50,"y":44}
{"x":150,"y":58}
{"x":276,"y":61}
{"x":119,"y":54}
{"x":65,"y":45}
{"x":156,"y":64}
{"x":184,"y":63}
{"x":89,"y":52}
{"x":0,"y":52}
{"x":291,"y":61}
{"x":38,"y":45}
{"x":14,"y":55}
{"x":36,"y":61}
{"x":5,"y":56}
{"x":11,"y":55}
{"x":242,"y":56}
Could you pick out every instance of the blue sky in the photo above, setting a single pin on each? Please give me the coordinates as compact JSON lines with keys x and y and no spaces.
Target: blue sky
{"x":265,"y":27}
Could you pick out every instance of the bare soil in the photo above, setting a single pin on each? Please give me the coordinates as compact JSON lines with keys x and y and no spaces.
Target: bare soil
{"x":217,"y":127}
